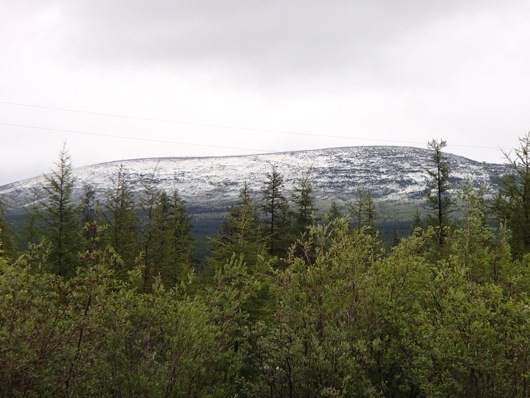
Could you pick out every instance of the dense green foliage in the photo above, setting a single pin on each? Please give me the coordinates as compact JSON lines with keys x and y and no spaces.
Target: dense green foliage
{"x":338,"y":316}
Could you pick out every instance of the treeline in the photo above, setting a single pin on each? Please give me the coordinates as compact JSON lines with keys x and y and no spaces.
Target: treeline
{"x":104,"y":299}
{"x":152,"y":232}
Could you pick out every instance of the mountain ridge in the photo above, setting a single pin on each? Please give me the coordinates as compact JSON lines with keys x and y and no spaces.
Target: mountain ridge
{"x":390,"y":173}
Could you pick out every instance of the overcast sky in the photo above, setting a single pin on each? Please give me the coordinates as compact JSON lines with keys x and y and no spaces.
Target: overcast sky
{"x":117,"y":80}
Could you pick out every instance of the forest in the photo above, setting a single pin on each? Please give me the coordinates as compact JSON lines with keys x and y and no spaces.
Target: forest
{"x":104,"y":298}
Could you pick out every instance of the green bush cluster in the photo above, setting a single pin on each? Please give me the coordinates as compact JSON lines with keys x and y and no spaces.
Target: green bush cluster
{"x":352,"y":321}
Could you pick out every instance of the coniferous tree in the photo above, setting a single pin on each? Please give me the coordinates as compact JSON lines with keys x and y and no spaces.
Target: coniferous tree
{"x":363,"y":210}
{"x":417,"y":223}
{"x":240,"y":234}
{"x":150,"y":229}
{"x":512,"y":204}
{"x":173,"y":243}
{"x":276,"y":210}
{"x":88,"y":204}
{"x":334,"y":212}
{"x":396,"y":237}
{"x":90,"y":214}
{"x":438,"y":189}
{"x":122,"y":224}
{"x":304,"y":205}
{"x":60,"y":215}
{"x":31,"y":227}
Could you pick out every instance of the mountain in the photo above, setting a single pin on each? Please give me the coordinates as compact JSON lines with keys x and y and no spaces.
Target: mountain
{"x":395,"y":176}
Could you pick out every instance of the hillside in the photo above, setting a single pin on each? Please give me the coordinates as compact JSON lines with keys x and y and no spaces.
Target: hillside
{"x":391,"y":174}
{"x":395,"y":176}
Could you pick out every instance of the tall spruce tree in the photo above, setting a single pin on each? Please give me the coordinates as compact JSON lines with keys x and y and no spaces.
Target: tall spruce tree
{"x":304,"y":203}
{"x":276,"y":210}
{"x":88,"y":204}
{"x":177,"y":243}
{"x":30,"y":232}
{"x":166,"y":236}
{"x":416,"y":226}
{"x":512,"y":204}
{"x":150,"y":228}
{"x":89,"y":211}
{"x":61,"y":226}
{"x":122,"y":224}
{"x":240,"y":234}
{"x":334,"y":212}
{"x":438,"y":189}
{"x":363,"y":209}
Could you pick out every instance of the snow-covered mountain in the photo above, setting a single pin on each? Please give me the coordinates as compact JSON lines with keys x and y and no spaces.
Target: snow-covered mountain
{"x":392,"y":175}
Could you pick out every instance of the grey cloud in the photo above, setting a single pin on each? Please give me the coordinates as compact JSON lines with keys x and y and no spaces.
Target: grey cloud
{"x":282,"y":35}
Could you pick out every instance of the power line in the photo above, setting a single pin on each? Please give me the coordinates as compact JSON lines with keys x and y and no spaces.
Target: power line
{"x":124,"y":137}
{"x":170,"y":120}
{"x":218,"y":126}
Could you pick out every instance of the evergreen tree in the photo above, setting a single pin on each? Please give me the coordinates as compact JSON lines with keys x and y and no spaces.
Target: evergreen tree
{"x":363,"y":210}
{"x":89,"y":210}
{"x":239,"y":235}
{"x":150,"y":228}
{"x":88,"y":204}
{"x":181,"y":236}
{"x":438,"y":189}
{"x":276,"y":210}
{"x":396,"y":237}
{"x":31,"y":227}
{"x":334,"y":212}
{"x":512,"y":204}
{"x":61,"y":227}
{"x":417,"y":223}
{"x":172,"y":241}
{"x":304,"y":205}
{"x":122,"y":224}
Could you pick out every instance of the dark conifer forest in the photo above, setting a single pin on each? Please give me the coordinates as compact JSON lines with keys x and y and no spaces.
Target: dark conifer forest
{"x":104,"y":298}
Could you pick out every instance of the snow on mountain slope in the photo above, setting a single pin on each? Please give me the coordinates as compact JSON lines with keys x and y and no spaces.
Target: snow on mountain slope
{"x":391,"y":174}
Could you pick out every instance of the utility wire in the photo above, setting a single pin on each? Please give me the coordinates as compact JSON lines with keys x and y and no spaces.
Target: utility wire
{"x":218,"y":126}
{"x":125,"y":137}
{"x":169,"y":120}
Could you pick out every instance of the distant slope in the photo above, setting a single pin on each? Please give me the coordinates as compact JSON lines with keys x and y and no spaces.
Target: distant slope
{"x":395,"y":176}
{"x":391,"y":174}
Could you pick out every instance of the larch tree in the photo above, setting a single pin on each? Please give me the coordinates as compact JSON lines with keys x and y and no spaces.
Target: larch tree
{"x":180,"y":237}
{"x":150,"y":228}
{"x":304,"y":203}
{"x":60,"y":217}
{"x":88,"y":204}
{"x":90,"y":214}
{"x":276,"y":210}
{"x":240,"y":233}
{"x":416,"y":225}
{"x":363,"y":209}
{"x":334,"y":212}
{"x":122,"y":224}
{"x":30,"y":231}
{"x":438,"y":189}
{"x":171,"y":244}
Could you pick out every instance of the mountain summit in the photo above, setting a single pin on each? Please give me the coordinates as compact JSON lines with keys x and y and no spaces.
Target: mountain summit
{"x":391,"y":174}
